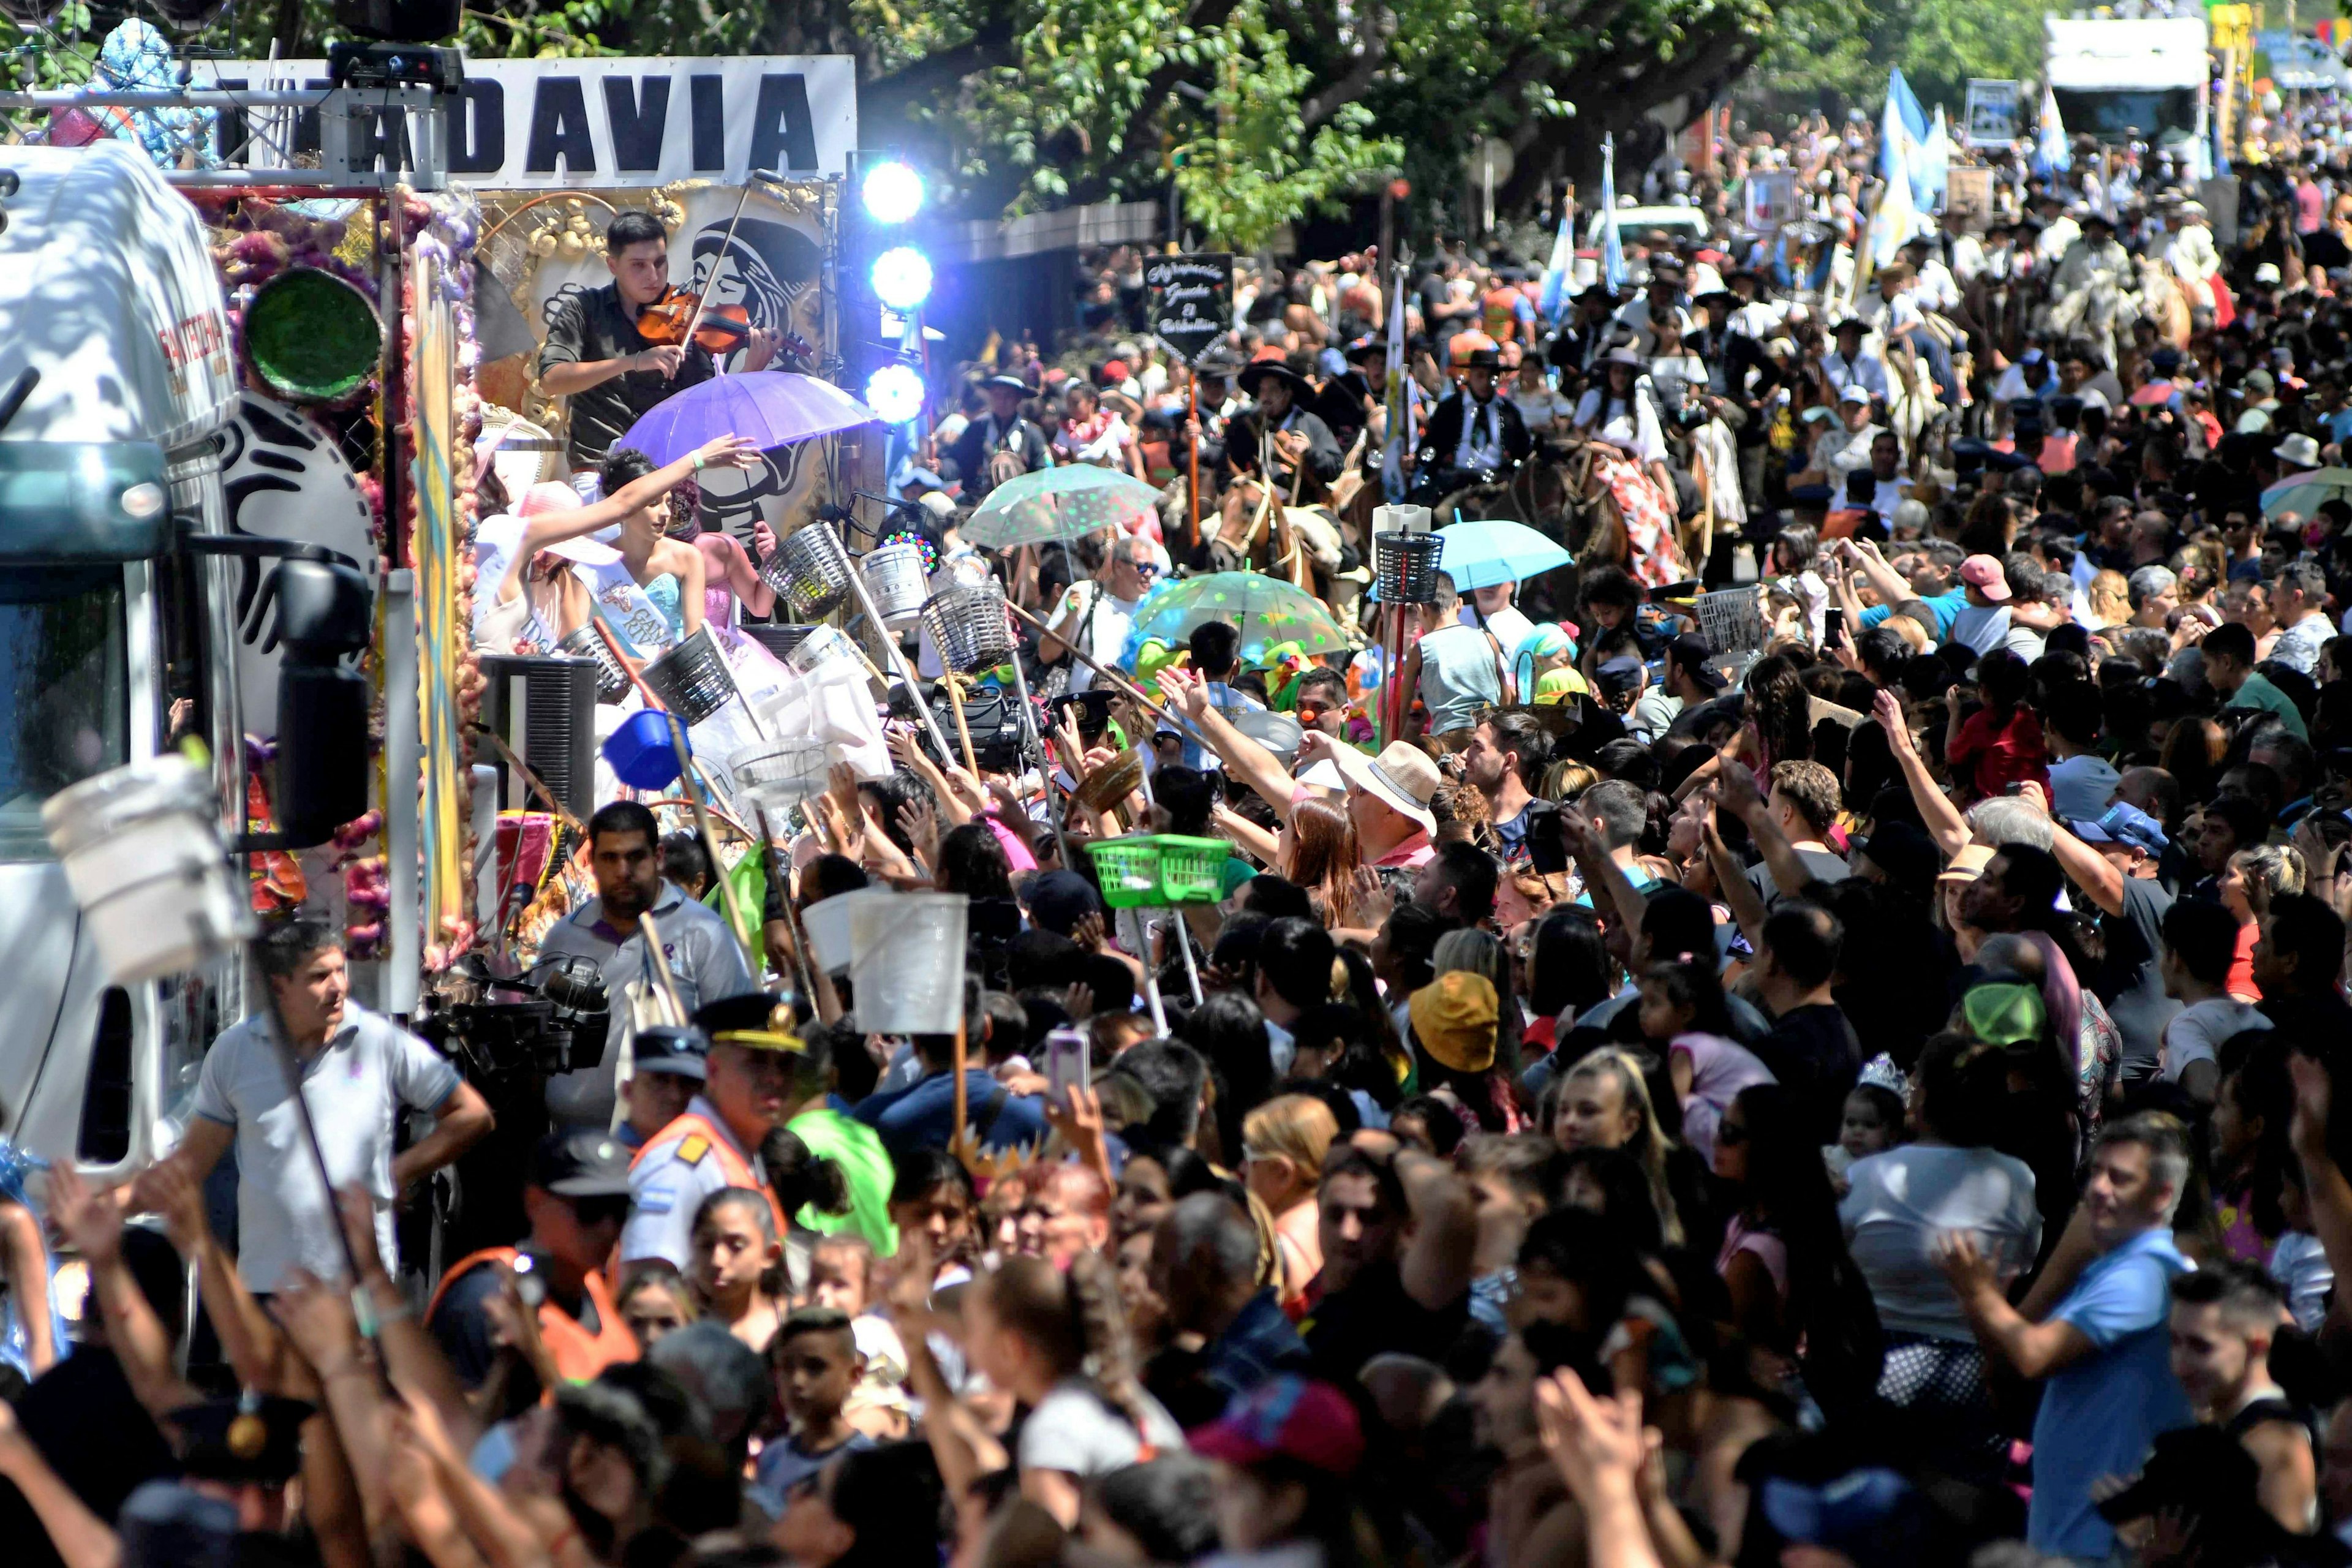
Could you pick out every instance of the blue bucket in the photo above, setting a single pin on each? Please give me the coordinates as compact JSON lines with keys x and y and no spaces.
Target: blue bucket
{"x":640,"y":751}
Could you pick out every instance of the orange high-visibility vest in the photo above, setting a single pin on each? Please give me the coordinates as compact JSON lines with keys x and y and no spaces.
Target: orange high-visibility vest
{"x":579,"y":1354}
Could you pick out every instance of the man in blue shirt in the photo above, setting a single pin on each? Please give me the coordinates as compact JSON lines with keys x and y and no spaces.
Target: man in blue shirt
{"x":1204,"y":1266}
{"x":923,"y":1115}
{"x":2094,"y":1329}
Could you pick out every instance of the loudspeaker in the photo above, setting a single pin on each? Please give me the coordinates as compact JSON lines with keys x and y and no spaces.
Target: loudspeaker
{"x":994,"y":719}
{"x":544,"y":708}
{"x":400,"y":21}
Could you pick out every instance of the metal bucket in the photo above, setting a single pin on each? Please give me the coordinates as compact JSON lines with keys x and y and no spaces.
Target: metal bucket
{"x":970,"y":627}
{"x":612,"y":680}
{"x":823,"y":648}
{"x":692,"y":680}
{"x":812,"y":570}
{"x":894,"y":582}
{"x":778,"y":775}
{"x":1408,"y":566}
{"x":780,"y":639}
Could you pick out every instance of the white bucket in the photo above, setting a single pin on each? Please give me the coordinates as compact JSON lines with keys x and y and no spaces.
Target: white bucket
{"x":143,"y":854}
{"x":907,"y":962}
{"x":824,"y":647}
{"x":827,"y":924}
{"x":894,"y":582}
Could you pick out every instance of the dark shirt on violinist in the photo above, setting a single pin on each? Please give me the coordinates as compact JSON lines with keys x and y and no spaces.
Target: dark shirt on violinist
{"x":589,"y":326}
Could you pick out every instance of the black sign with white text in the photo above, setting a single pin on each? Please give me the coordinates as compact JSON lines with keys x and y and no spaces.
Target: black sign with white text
{"x":1192,"y":301}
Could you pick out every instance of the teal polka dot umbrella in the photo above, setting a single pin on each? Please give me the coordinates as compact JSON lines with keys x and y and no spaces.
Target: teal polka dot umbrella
{"x":1265,"y":610}
{"x":1065,"y":502}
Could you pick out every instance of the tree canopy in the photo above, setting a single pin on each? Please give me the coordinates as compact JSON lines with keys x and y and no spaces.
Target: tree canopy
{"x":1257,"y":111}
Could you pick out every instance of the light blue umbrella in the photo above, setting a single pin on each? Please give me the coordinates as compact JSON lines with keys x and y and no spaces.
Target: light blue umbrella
{"x":1481,"y":553}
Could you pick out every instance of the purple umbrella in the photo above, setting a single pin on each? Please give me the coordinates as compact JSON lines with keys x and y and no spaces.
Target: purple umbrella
{"x":769,"y":407}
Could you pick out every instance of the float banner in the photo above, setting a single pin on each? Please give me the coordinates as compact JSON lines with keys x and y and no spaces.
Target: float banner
{"x":589,"y":125}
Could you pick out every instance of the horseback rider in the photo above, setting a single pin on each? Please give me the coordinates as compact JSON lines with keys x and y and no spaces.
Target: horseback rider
{"x":1476,"y":437}
{"x":999,"y":434}
{"x":1273,"y":440}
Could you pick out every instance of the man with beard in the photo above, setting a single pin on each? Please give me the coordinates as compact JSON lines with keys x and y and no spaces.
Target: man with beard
{"x":706,"y":962}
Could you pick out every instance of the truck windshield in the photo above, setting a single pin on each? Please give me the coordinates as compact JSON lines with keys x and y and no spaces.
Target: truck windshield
{"x":67,"y":715}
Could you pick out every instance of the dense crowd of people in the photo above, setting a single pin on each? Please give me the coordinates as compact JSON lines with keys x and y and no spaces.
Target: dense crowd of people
{"x":1850,"y":1082}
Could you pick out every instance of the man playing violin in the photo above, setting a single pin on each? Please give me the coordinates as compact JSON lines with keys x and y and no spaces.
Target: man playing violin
{"x":597,"y":357}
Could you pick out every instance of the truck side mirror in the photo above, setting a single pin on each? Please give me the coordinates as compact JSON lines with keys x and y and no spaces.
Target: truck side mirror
{"x":322,"y":752}
{"x":324,"y":608}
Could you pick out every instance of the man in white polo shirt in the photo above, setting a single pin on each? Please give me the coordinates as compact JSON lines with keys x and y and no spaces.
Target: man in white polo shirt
{"x":360,"y":1071}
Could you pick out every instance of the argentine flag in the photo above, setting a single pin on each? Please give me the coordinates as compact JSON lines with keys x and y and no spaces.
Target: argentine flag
{"x":1552,"y":300}
{"x":1612,"y":246}
{"x":2050,"y":154}
{"x":1896,"y":215}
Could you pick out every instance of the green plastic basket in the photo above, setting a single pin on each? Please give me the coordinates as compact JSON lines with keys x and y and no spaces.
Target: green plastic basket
{"x":1159,"y":869}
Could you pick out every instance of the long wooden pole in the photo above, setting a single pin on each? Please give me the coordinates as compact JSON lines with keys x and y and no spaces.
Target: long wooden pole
{"x":1126,"y":686}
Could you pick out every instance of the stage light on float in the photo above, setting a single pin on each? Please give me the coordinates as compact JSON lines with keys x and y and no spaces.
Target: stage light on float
{"x":902,"y":278}
{"x":892,"y":192}
{"x":895,"y":393}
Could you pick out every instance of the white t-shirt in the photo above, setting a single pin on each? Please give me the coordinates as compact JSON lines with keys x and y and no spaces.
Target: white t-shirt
{"x":2300,"y":1266}
{"x":356,"y":1086}
{"x":2196,"y":1032}
{"x":1076,"y":1430}
{"x":1101,"y":630}
{"x":1510,"y":625}
{"x":1897,"y":1202}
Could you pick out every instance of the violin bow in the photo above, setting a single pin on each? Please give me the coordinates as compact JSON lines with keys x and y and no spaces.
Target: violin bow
{"x":710,"y":285}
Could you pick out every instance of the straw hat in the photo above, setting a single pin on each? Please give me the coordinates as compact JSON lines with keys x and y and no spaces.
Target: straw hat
{"x":1402,"y":778}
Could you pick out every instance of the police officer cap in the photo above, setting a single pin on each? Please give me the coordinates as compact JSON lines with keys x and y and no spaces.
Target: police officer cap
{"x":759,"y":1021}
{"x":582,"y":1162}
{"x":253,"y":1438}
{"x":666,"y":1048}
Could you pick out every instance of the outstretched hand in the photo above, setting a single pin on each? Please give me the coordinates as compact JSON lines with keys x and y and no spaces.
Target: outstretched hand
{"x":90,"y":1217}
{"x":1595,"y":1442}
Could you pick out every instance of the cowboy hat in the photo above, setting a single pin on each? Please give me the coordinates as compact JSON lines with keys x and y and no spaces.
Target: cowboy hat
{"x":1402,"y":778}
{"x":1483,"y":359}
{"x":1624,"y":356}
{"x":1255,"y":376}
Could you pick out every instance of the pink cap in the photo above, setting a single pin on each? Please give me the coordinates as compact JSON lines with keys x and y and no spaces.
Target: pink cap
{"x":1286,"y":1418}
{"x":1983,"y":573}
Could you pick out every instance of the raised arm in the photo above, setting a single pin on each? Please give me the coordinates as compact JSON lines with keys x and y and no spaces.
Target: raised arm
{"x":82,"y":1540}
{"x":1244,"y":758}
{"x":28,"y":1281}
{"x":1944,"y":821}
{"x":92,"y":1220}
{"x":1735,"y":791}
{"x":1437,"y":1262}
{"x":249,"y":1340}
{"x":1738,"y":893}
{"x":2088,"y":869}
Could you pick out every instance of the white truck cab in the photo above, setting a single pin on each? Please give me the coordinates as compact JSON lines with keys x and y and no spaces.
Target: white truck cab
{"x":117,"y":374}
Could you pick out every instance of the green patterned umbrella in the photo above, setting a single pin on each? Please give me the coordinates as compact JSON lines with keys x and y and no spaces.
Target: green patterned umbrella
{"x":1266,"y":611}
{"x":1065,"y":502}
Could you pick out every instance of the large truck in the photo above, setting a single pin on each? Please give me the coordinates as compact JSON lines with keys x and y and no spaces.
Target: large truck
{"x":2125,"y":79}
{"x":122,"y":589}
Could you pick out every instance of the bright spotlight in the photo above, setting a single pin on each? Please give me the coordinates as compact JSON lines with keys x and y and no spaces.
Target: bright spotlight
{"x":892,"y":192}
{"x":896,"y":393}
{"x":902,"y":278}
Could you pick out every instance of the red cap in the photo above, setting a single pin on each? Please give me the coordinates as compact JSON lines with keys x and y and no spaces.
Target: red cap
{"x":1286,"y":1418}
{"x":1115,"y":371}
{"x":1983,"y":573}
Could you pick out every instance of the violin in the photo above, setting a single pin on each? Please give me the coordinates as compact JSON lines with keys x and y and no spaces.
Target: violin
{"x":682,"y":316}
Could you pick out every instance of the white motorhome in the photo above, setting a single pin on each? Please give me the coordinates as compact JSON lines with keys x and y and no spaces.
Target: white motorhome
{"x":118,"y":615}
{"x":2123,"y":80}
